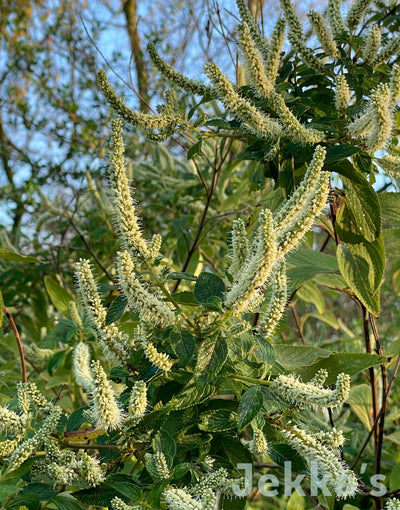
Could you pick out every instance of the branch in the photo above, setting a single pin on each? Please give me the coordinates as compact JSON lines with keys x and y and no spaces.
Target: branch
{"x":21,"y":351}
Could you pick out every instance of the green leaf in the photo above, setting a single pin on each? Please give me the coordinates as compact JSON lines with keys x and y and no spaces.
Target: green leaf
{"x":391,"y":239}
{"x":218,"y":420}
{"x":58,"y":295}
{"x":235,"y":452}
{"x":337,"y":153}
{"x":1,"y":308}
{"x":362,"y":267}
{"x":186,"y":298}
{"x":281,"y":453}
{"x":8,"y":490}
{"x":191,"y":396}
{"x":211,"y":357}
{"x":77,"y":418}
{"x":364,"y":204}
{"x":116,"y":310}
{"x":16,"y":257}
{"x":311,"y":294}
{"x":30,"y":501}
{"x":395,"y":477}
{"x":208,"y":286}
{"x":304,"y":265}
{"x":394,"y":437}
{"x":183,"y":344}
{"x":293,"y":357}
{"x":165,"y":443}
{"x":98,"y":496}
{"x":195,"y":149}
{"x":131,"y":491}
{"x":250,"y":404}
{"x":349,"y":363}
{"x":296,"y":502}
{"x":390,"y":205}
{"x":181,"y":276}
{"x":360,"y":401}
{"x":45,"y":492}
{"x":65,"y":501}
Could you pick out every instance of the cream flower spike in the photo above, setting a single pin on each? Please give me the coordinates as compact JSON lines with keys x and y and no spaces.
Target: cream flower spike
{"x":118,"y":504}
{"x":81,"y":366}
{"x":342,"y":93}
{"x":258,"y":269}
{"x":11,"y":422}
{"x":254,"y":63}
{"x":104,"y":406}
{"x":111,"y":340}
{"x":137,"y":404}
{"x":356,"y":12}
{"x":179,"y":499}
{"x":343,"y":481}
{"x":260,"y":41}
{"x":289,"y":237}
{"x":323,"y":33}
{"x":254,"y":121}
{"x":274,"y":54}
{"x":269,"y":319}
{"x":294,"y":129}
{"x":387,"y":51}
{"x":187,"y":84}
{"x":290,"y":388}
{"x":394,"y":85}
{"x":150,"y":307}
{"x":258,"y":445}
{"x":334,"y":17}
{"x":240,"y":247}
{"x":362,"y":126}
{"x":145,"y":121}
{"x":372,"y":44}
{"x":158,"y":359}
{"x":382,"y":118}
{"x":392,"y":504}
{"x":289,"y":211}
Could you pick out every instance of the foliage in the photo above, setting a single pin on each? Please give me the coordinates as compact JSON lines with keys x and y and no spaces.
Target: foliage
{"x":173,"y":367}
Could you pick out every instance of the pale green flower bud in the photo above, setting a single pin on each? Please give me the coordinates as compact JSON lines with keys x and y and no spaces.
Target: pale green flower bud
{"x":334,"y":17}
{"x":161,"y":465}
{"x":112,"y":341}
{"x":215,"y":481}
{"x":382,"y":120}
{"x":150,"y":307}
{"x":62,"y":474}
{"x":81,"y":366}
{"x":7,"y":447}
{"x":392,"y":504}
{"x":270,"y":318}
{"x":240,"y":247}
{"x":290,"y":236}
{"x":342,"y":94}
{"x":187,"y":84}
{"x":179,"y":499}
{"x":341,"y":480}
{"x":257,"y":271}
{"x":290,"y":388}
{"x":34,"y":395}
{"x":294,"y":129}
{"x":254,"y":121}
{"x":372,"y":44}
{"x":259,"y":39}
{"x":24,"y":402}
{"x":319,"y":378}
{"x":159,"y":359}
{"x":258,"y":445}
{"x":254,"y":63}
{"x":22,"y":453}
{"x":137,"y":403}
{"x":154,"y":247}
{"x":291,"y":208}
{"x":118,"y":504}
{"x":89,"y":469}
{"x":75,"y":317}
{"x":11,"y":422}
{"x":273,"y":58}
{"x":36,"y":354}
{"x":356,"y":12}
{"x":394,"y":84}
{"x":323,"y":33}
{"x":105,"y":409}
{"x":208,"y":500}
{"x":333,"y":439}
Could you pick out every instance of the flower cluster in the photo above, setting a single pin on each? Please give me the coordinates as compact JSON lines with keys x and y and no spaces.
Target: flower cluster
{"x":105,"y":409}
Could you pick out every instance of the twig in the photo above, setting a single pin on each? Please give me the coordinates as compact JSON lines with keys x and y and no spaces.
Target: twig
{"x":21,"y":351}
{"x":296,"y":318}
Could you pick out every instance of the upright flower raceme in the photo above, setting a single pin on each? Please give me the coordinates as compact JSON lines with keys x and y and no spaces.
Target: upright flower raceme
{"x":323,"y":33}
{"x":356,"y":12}
{"x":342,"y":93}
{"x":372,"y":44}
{"x":111,"y":340}
{"x":81,"y":366}
{"x":259,"y":39}
{"x":273,"y":58}
{"x":382,"y":118}
{"x":335,"y":17}
{"x":240,"y":247}
{"x":104,"y":406}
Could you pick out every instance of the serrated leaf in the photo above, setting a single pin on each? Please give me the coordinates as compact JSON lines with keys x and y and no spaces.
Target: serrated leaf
{"x":362,"y":266}
{"x":390,"y":205}
{"x":191,"y":396}
{"x":281,"y":453}
{"x":218,"y":420}
{"x":58,"y":295}
{"x":391,"y":239}
{"x":116,"y":310}
{"x":183,"y":344}
{"x":77,"y":418}
{"x":185,"y":298}
{"x":165,"y":443}
{"x":349,"y":363}
{"x":16,"y":257}
{"x":293,"y":357}
{"x":8,"y":490}
{"x":45,"y":492}
{"x":211,"y":356}
{"x":338,"y":153}
{"x":208,"y":285}
{"x":250,"y":404}
{"x":98,"y":496}
{"x":30,"y":501}
{"x":360,"y":401}
{"x":364,"y":204}
{"x":66,"y":501}
{"x":131,"y":491}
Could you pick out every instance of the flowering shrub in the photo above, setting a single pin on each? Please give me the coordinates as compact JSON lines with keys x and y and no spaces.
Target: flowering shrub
{"x":202,"y":386}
